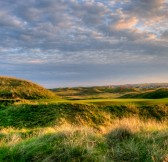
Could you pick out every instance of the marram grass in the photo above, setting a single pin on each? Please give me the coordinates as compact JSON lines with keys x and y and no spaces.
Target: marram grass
{"x":67,"y":132}
{"x":127,"y":139}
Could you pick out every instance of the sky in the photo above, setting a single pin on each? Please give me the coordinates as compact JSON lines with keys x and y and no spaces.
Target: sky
{"x":63,"y":43}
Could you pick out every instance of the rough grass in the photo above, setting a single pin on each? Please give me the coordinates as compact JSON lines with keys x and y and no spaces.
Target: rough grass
{"x":71,"y":132}
{"x":12,"y":88}
{"x":42,"y":115}
{"x":50,"y":114}
{"x":128,"y":139}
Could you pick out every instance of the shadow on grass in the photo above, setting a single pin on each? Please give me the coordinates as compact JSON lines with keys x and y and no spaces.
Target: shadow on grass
{"x":157,"y":112}
{"x":123,"y":145}
{"x":33,"y":116}
{"x":7,"y":102}
{"x":43,"y":115}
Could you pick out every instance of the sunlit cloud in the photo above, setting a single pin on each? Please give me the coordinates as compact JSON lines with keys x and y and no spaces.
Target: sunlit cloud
{"x":40,"y":34}
{"x":126,"y":23}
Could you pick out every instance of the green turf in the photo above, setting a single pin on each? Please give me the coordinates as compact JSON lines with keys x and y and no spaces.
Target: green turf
{"x":113,"y":101}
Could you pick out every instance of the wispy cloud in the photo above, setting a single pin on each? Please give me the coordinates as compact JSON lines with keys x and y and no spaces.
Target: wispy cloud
{"x":37,"y":34}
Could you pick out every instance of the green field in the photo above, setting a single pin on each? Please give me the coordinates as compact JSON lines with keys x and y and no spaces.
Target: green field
{"x":85,"y":128}
{"x":113,"y":101}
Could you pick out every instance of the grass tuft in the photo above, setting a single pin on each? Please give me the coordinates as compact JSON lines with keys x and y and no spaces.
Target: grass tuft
{"x":119,"y":134}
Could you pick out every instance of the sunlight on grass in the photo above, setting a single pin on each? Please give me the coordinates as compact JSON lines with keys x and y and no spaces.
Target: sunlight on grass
{"x":128,"y":139}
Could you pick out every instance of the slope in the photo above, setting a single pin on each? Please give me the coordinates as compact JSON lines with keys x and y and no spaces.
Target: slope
{"x":12,"y":88}
{"x":156,"y":94}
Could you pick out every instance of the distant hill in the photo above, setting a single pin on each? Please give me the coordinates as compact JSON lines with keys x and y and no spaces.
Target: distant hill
{"x":92,"y":92}
{"x":96,"y":89}
{"x":155,"y":94}
{"x":113,"y":91}
{"x":146,"y":86}
{"x":12,"y":88}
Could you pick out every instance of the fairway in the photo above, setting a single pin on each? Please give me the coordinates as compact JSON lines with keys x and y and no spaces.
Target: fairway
{"x":99,"y":102}
{"x":125,"y":101}
{"x":108,"y":101}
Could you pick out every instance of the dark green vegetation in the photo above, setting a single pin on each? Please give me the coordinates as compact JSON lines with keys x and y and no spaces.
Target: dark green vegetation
{"x":32,"y":116}
{"x":155,"y":94}
{"x":35,"y":126}
{"x":12,"y":88}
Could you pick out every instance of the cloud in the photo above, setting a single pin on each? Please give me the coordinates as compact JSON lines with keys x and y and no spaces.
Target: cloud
{"x":71,"y":25}
{"x":54,"y":75}
{"x":146,"y":8}
{"x":164,"y":35}
{"x":126,"y":23}
{"x":149,"y":12}
{"x":10,"y":21}
{"x":36,"y":33}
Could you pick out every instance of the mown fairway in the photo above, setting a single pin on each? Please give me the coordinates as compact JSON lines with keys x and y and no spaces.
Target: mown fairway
{"x":113,"y":101}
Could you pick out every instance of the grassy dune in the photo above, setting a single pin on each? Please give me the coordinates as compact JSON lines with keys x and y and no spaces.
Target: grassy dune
{"x":12,"y":88}
{"x":154,"y":94}
{"x":102,"y":92}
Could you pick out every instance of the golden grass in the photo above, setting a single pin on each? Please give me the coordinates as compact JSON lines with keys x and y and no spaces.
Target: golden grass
{"x":125,"y":139}
{"x":13,"y":135}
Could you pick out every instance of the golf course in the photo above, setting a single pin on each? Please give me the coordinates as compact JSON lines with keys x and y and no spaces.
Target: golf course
{"x":37,"y":125}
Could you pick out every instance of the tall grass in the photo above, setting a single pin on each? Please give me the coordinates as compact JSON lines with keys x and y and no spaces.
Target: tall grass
{"x":79,"y":132}
{"x":127,"y":139}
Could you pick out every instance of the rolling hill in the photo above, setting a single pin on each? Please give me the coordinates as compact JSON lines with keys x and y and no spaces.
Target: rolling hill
{"x":12,"y":88}
{"x":112,"y":91}
{"x":156,"y":94}
{"x":74,"y":93}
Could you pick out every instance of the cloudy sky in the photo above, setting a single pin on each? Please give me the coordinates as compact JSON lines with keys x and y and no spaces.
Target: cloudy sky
{"x":59,"y":43}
